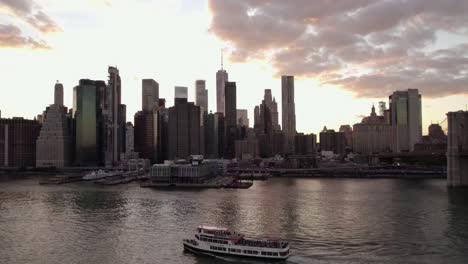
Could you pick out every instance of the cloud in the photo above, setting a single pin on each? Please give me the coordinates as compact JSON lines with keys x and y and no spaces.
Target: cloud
{"x":11,"y":37}
{"x":31,"y":12}
{"x":370,"y":48}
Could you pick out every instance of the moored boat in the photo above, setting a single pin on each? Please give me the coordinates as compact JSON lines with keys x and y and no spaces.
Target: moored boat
{"x":221,"y":241}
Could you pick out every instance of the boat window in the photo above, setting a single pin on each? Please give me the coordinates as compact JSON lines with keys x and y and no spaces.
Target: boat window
{"x":275,"y":253}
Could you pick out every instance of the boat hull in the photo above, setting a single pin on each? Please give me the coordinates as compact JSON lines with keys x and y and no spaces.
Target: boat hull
{"x":193,"y":249}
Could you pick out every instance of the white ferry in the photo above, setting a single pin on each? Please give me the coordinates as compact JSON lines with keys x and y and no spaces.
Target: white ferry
{"x":100,"y":174}
{"x":221,"y":241}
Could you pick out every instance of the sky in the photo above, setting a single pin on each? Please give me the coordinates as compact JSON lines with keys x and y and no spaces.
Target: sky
{"x":345,"y":55}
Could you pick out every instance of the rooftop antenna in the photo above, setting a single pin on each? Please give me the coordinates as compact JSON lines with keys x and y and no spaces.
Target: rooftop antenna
{"x":222,"y":66}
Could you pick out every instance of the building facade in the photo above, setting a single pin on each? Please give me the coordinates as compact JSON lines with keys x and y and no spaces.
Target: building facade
{"x":18,"y":142}
{"x":230,"y":118}
{"x":243,"y":118}
{"x":150,"y":95}
{"x":201,"y":95}
{"x":457,"y":149}
{"x":406,"y":118}
{"x":221,"y":78}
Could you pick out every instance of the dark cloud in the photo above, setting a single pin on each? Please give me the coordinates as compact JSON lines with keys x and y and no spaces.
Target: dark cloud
{"x":368,"y":47}
{"x":32,"y":13}
{"x":11,"y":37}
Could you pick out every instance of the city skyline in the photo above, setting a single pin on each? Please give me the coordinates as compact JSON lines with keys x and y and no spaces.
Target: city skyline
{"x":159,"y":58}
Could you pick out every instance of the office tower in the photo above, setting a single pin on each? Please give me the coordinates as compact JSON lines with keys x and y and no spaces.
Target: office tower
{"x":53,"y":145}
{"x":372,"y":135}
{"x":270,"y":102}
{"x":184,"y":130}
{"x":18,"y":142}
{"x":180,"y":92}
{"x":230,"y":118}
{"x":150,"y":94}
{"x":201,"y":95}
{"x":382,"y":108}
{"x":220,"y":122}
{"x":116,"y":123}
{"x":406,"y":118}
{"x":58,"y":94}
{"x":211,"y":136}
{"x":289,"y":112}
{"x":243,"y":117}
{"x":87,"y":117}
{"x":163,"y":133}
{"x":221,"y":78}
{"x":129,"y":138}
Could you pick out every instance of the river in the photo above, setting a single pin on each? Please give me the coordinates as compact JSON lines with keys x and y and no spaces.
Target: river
{"x":326,"y":221}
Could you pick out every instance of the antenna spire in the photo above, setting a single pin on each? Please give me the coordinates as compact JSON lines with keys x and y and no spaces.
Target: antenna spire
{"x":222,"y":63}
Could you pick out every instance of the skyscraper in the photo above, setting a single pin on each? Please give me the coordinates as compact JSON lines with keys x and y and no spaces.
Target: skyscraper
{"x":231,"y":118}
{"x":146,"y":122}
{"x":86,"y":113}
{"x":58,"y":94}
{"x":201,"y":95}
{"x":221,"y":78}
{"x":406,"y":119}
{"x":116,"y":126}
{"x":150,"y":94}
{"x":289,"y":112}
{"x":270,"y":102}
{"x":184,"y":130}
{"x":53,"y":146}
{"x":18,"y":142}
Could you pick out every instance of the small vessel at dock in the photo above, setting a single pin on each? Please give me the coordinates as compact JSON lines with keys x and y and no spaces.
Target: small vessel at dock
{"x":221,"y":241}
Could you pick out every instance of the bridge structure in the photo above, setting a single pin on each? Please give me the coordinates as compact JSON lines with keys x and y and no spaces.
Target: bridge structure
{"x":457,"y":149}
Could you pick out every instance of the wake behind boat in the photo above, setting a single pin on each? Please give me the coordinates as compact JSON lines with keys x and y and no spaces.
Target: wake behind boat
{"x":221,"y":241}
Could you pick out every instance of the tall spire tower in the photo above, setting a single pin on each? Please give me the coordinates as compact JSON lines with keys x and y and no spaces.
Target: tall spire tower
{"x":221,"y":78}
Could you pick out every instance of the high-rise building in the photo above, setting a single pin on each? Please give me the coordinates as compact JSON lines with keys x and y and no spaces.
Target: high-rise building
{"x":332,"y":141}
{"x":87,"y":117}
{"x":406,"y":118}
{"x":180,"y":92}
{"x":53,"y":146}
{"x":201,"y":95}
{"x":305,"y":144}
{"x":372,"y":135}
{"x":457,"y":149}
{"x":116,"y":122}
{"x":58,"y":94}
{"x":289,"y":112}
{"x":230,"y":118}
{"x":221,"y":78}
{"x":348,"y":132}
{"x":270,"y":102}
{"x":18,"y":142}
{"x":243,"y":117}
{"x":184,"y":130}
{"x":150,"y":94}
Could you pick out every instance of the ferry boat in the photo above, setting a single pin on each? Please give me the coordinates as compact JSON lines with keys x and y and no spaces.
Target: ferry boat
{"x":100,"y":174}
{"x":221,"y":241}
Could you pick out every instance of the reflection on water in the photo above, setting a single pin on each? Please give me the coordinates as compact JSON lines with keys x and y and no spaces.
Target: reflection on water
{"x":326,"y":220}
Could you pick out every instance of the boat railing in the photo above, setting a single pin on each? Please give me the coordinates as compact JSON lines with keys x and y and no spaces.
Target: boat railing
{"x":260,"y":243}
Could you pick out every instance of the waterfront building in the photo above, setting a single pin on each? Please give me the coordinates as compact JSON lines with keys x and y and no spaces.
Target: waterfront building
{"x":150,"y":95}
{"x":373,"y":135}
{"x":184,"y":129}
{"x":434,"y":142}
{"x":201,"y":95}
{"x":406,"y":118}
{"x":457,"y":149}
{"x":193,"y":171}
{"x":230,"y":118}
{"x":289,"y":112}
{"x":18,"y":142}
{"x":242,"y":118}
{"x":333,"y":141}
